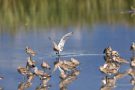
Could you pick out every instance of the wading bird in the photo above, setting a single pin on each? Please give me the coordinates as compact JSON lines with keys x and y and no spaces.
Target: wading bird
{"x":132,"y":48}
{"x":29,"y":51}
{"x":38,"y":72}
{"x":30,"y":63}
{"x":45,"y":65}
{"x":119,"y":59}
{"x":132,"y":81}
{"x":59,"y":47}
{"x":131,"y":72}
{"x":22,"y":70}
{"x":132,"y":63}
{"x":66,"y":65}
{"x":108,"y":51}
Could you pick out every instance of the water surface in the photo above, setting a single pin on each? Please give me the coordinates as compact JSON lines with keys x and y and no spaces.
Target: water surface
{"x":95,"y":25}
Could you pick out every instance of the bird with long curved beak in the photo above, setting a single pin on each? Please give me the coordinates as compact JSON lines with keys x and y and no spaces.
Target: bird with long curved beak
{"x":59,"y":47}
{"x":29,"y":51}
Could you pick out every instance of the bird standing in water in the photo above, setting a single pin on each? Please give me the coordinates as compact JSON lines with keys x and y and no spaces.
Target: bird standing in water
{"x":30,"y":52}
{"x":66,"y":65}
{"x":45,"y":65}
{"x":22,"y":70}
{"x":132,"y":48}
{"x":59,"y":47}
{"x":30,"y":63}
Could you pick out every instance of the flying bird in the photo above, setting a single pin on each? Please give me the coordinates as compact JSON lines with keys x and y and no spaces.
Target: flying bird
{"x":59,"y":47}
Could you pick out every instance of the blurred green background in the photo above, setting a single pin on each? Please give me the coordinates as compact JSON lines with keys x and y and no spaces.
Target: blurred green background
{"x":44,"y":13}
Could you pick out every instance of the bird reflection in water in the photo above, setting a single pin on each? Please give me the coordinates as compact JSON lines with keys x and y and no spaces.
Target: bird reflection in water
{"x":44,"y":83}
{"x":108,"y":82}
{"x":24,"y":85}
{"x":68,"y":71}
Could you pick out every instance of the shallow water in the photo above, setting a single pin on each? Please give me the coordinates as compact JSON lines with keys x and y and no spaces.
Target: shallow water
{"x":96,"y":24}
{"x":86,"y":45}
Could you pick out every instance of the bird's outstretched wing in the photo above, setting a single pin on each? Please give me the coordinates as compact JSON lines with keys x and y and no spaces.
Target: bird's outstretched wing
{"x":53,"y":42}
{"x":63,"y":40}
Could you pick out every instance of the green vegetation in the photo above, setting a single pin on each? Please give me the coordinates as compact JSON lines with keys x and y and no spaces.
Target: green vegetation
{"x":43,"y":13}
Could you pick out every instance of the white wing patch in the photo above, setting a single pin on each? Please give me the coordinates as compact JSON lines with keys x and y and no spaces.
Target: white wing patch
{"x":63,"y":40}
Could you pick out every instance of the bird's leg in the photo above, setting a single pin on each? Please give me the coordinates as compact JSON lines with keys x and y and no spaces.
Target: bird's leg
{"x":30,"y":57}
{"x":27,"y":66}
{"x":58,"y":54}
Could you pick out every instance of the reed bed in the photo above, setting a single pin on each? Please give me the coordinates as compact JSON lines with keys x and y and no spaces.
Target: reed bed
{"x":42,"y":13}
